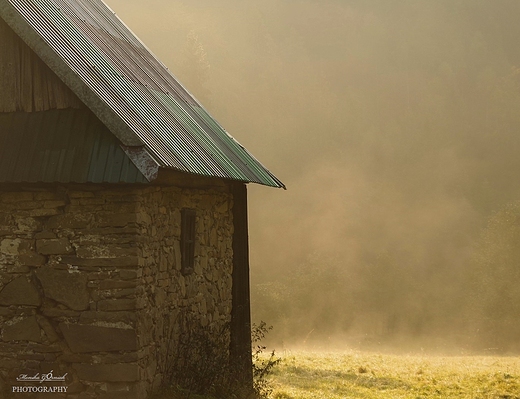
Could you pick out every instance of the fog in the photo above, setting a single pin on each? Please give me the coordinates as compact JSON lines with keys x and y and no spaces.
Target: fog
{"x":395,"y":126}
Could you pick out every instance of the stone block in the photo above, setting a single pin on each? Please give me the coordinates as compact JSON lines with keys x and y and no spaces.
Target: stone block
{"x":54,"y":246}
{"x":55,"y":312}
{"x":20,"y":292}
{"x":123,"y":261}
{"x":76,"y":358}
{"x":113,"y":284}
{"x":118,"y":395}
{"x":128,"y":357}
{"x":111,"y":233}
{"x":32,"y":259}
{"x":160,"y":297}
{"x":6,"y":218}
{"x":125,"y":372}
{"x":54,"y":204}
{"x":16,"y":196}
{"x":127,"y":274}
{"x":6,"y":312}
{"x":117,"y":304}
{"x":81,"y":194}
{"x":49,"y":395}
{"x":44,"y":348}
{"x":26,"y":329}
{"x":104,"y":251}
{"x":117,"y":219}
{"x":10,"y":246}
{"x":27,"y":225}
{"x":91,"y":201}
{"x":223,"y":207}
{"x":48,"y":329}
{"x":9,"y":363}
{"x":111,"y":317}
{"x":18,"y":269}
{"x":43,"y":212}
{"x":127,"y":292}
{"x":75,"y":387}
{"x":98,"y":276}
{"x":67,"y":288}
{"x":48,"y":196}
{"x":23,"y":205}
{"x":90,"y":338}
{"x":30,"y":356}
{"x":69,"y":221}
{"x":44,"y":234}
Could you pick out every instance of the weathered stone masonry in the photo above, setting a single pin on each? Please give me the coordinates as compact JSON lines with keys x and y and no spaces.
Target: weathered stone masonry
{"x":90,"y":281}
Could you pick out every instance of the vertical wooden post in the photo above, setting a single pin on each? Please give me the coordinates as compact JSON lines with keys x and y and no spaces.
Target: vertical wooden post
{"x":240,"y":350}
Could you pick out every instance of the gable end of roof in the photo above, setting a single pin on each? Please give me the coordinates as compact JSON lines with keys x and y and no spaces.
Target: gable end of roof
{"x":129,"y":90}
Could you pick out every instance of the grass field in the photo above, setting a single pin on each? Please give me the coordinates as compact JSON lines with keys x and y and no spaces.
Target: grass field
{"x":339,"y":375}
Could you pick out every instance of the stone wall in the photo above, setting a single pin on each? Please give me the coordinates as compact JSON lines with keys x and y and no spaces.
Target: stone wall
{"x":90,"y":283}
{"x":171,"y":299}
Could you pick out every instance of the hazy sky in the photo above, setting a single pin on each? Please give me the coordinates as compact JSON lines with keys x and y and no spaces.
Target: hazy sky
{"x":394,"y":124}
{"x":362,"y":108}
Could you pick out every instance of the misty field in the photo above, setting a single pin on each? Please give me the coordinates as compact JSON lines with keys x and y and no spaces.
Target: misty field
{"x":350,"y":374}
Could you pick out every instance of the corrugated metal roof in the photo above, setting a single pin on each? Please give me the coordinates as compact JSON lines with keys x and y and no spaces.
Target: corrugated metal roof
{"x":67,"y":145}
{"x":138,"y":94}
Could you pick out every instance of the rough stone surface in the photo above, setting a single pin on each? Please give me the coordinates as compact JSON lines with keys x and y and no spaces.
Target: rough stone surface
{"x":53,"y":246}
{"x":126,"y":372}
{"x":69,"y":288}
{"x":26,"y":329}
{"x":89,"y":338}
{"x":32,"y":259}
{"x":117,"y":304}
{"x":48,"y":328}
{"x":127,"y":318}
{"x":171,"y":296}
{"x":20,"y":292}
{"x":118,"y":395}
{"x":10,"y":246}
{"x":91,"y":282}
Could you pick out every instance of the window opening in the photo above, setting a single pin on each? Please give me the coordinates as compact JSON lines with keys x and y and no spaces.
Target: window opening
{"x":188,"y":217}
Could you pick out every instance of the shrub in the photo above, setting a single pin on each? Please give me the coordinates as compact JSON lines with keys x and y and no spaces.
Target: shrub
{"x":198,"y":364}
{"x":262,"y":366}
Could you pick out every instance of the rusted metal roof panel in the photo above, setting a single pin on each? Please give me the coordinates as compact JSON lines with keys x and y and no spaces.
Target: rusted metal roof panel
{"x":136,"y":90}
{"x":65,"y":146}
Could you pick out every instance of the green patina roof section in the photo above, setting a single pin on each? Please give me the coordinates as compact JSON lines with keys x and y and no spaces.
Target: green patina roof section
{"x":134,"y":87}
{"x":67,"y":145}
{"x":226,"y":153}
{"x":240,"y":153}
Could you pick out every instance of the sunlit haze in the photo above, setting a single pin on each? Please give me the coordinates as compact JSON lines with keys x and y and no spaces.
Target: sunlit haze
{"x":395,"y":126}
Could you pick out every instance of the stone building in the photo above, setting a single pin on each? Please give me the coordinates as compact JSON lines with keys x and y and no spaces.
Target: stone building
{"x":123,"y":209}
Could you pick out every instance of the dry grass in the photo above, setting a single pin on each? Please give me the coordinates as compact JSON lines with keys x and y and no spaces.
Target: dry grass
{"x":339,"y":375}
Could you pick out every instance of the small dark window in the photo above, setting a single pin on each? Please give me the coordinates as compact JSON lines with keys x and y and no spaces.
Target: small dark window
{"x":187,"y":240}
